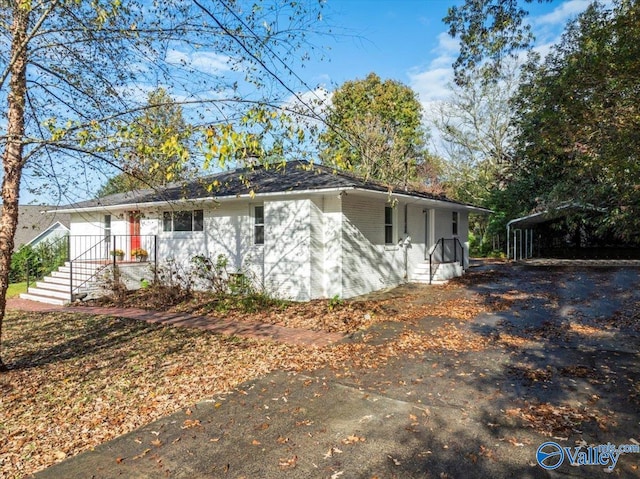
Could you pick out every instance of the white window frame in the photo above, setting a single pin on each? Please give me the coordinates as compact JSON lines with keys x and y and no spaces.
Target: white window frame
{"x":172,"y":220}
{"x":256,"y":225}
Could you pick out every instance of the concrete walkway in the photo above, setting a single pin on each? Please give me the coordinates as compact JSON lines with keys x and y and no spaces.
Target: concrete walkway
{"x":246,"y":329}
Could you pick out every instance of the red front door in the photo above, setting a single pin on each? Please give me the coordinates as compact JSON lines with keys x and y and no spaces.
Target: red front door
{"x":134,"y":230}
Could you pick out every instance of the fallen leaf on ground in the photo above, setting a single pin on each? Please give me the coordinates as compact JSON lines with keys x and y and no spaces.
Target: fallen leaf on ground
{"x":353,"y":439}
{"x":288,"y":463}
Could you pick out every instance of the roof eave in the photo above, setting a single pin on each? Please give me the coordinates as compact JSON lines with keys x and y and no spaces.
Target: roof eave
{"x":44,"y":233}
{"x":257,"y":196}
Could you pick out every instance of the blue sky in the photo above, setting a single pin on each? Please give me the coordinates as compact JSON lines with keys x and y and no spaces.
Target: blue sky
{"x":391,"y":38}
{"x":407,"y":41}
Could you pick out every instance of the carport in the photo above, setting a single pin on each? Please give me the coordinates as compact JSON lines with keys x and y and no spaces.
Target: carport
{"x":523,"y":234}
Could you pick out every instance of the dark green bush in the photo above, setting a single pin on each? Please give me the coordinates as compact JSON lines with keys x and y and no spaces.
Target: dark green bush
{"x":36,"y":262}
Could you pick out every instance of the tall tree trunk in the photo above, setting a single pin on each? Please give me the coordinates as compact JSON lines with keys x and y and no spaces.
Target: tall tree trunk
{"x":12,"y":158}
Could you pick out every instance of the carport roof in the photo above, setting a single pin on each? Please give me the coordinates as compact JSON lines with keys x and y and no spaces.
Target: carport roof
{"x":551,"y":214}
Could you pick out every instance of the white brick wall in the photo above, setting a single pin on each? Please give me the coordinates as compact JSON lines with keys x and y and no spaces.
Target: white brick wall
{"x":367,"y":263}
{"x":443,"y":228}
{"x":87,"y":229}
{"x":317,"y":249}
{"x":463,"y":235}
{"x":333,"y":255}
{"x":314,"y":247}
{"x":228,"y":231}
{"x":86,"y":224}
{"x":287,"y":248}
{"x":443,"y":224}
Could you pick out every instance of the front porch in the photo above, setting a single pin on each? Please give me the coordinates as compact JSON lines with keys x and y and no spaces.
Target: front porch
{"x":443,"y":261}
{"x":90,"y":263}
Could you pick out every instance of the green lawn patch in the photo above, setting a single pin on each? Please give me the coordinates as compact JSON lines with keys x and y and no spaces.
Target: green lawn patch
{"x":16,"y":288}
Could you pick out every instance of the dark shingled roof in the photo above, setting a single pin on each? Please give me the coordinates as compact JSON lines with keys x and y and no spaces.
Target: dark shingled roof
{"x":35,"y":219}
{"x":277,"y":178}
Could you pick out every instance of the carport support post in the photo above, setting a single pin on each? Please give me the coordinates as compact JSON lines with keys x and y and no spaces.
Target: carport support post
{"x":508,"y":239}
{"x":531,"y":244}
{"x":520,"y":241}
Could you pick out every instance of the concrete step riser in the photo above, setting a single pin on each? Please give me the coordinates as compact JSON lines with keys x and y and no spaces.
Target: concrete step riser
{"x":56,"y":280}
{"x":442,"y":273}
{"x":65,"y":276}
{"x":52,"y":286}
{"x":77,"y":271}
{"x":49,"y":293}
{"x":425,"y":266}
{"x":44,"y":299}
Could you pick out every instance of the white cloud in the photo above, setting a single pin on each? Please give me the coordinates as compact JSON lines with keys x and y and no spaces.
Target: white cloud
{"x":311,"y":105}
{"x":203,"y":61}
{"x":562,"y":13}
{"x":447,"y":49}
{"x":542,"y":49}
{"x":548,"y":28}
{"x":431,"y":83}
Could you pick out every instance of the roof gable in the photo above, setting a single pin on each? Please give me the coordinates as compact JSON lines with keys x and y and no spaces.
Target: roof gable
{"x":33,"y":220}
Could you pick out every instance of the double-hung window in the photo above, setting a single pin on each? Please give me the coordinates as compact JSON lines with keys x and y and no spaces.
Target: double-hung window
{"x":388,"y":225}
{"x":187,"y":220}
{"x":258,"y":224}
{"x":454,"y":223}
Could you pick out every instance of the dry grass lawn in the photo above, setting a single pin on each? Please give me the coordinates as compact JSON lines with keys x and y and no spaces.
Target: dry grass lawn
{"x":79,"y":380}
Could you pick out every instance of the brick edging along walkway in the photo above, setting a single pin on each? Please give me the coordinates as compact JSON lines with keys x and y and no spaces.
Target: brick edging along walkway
{"x":247,"y":329}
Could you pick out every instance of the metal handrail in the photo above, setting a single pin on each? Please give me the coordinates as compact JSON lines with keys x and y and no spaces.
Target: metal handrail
{"x":102,"y":251}
{"x":84,"y":254}
{"x":444,"y":255}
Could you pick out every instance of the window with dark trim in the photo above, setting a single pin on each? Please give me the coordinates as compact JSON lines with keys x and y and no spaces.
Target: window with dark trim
{"x":258,"y":224}
{"x":388,"y":225}
{"x":186,"y":220}
{"x":454,"y":223}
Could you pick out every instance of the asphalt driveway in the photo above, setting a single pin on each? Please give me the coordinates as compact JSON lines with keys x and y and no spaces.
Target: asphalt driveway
{"x":560,"y":365}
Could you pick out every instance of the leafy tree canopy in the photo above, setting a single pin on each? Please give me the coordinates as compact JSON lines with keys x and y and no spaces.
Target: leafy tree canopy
{"x":489,"y":31}
{"x":579,"y":118}
{"x":153,"y":149}
{"x":374,"y":128}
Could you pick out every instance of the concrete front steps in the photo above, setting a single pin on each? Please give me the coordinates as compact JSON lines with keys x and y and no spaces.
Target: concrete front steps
{"x":56,"y":288}
{"x":443,"y":272}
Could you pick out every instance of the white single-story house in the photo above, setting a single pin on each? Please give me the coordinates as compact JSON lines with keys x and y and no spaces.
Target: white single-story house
{"x":304,"y":231}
